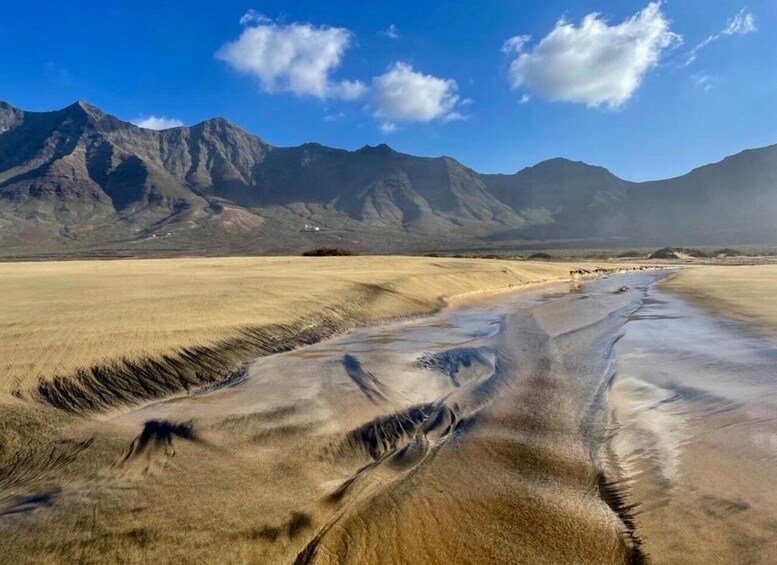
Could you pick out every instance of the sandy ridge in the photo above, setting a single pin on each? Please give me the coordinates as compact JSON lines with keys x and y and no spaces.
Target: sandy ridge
{"x":59,"y":320}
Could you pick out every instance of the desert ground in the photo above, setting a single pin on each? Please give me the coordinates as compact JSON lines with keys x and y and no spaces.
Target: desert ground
{"x":310,"y":410}
{"x":58,"y":317}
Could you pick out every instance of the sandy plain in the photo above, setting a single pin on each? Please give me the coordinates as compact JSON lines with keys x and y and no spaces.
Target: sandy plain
{"x":56,"y":317}
{"x":454,"y":439}
{"x":402,"y":443}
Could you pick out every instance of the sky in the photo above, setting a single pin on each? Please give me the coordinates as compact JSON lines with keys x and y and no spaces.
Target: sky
{"x":647,"y":89}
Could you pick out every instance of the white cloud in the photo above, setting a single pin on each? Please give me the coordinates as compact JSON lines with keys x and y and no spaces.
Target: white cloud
{"x":391,"y":32}
{"x":297,"y":58}
{"x":254,"y":17}
{"x":741,"y":24}
{"x":334,"y":117}
{"x":515,"y":44}
{"x":388,"y":127}
{"x":154,"y":122}
{"x":405,"y":95}
{"x":702,"y":81}
{"x":348,"y":89}
{"x":594,"y":63}
{"x":301,"y":58}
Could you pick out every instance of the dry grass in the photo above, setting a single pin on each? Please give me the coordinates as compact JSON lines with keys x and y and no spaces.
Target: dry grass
{"x":58,"y":316}
{"x":746,"y":293}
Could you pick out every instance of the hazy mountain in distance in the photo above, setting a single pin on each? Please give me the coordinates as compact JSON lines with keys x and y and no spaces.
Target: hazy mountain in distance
{"x":565,"y":198}
{"x":81,"y":181}
{"x":734,"y":200}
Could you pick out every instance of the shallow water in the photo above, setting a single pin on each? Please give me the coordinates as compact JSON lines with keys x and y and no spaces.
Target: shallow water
{"x":488,"y":415}
{"x":585,"y":422}
{"x":694,"y":413}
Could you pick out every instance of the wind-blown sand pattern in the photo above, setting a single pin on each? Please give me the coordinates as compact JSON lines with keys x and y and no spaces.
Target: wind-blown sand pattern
{"x":460,"y":437}
{"x":533,"y":428}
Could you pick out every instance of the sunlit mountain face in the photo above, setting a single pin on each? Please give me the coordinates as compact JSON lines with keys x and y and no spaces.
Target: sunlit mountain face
{"x":79,"y":177}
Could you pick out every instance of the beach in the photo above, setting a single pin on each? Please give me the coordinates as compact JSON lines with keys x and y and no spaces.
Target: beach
{"x":594,"y":416}
{"x":459,"y":435}
{"x":57,"y":317}
{"x":692,"y":417}
{"x":742,"y":292}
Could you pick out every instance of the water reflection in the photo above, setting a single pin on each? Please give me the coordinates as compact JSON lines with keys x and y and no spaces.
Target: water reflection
{"x":693,"y":418}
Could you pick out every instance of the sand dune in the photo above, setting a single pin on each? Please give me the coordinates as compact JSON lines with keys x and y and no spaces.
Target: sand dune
{"x":59,"y":317}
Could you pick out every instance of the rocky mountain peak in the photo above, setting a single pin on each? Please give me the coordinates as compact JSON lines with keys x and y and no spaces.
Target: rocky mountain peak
{"x":79,"y":175}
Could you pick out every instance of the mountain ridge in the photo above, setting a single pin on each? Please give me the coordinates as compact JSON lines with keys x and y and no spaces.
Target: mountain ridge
{"x":79,"y":179}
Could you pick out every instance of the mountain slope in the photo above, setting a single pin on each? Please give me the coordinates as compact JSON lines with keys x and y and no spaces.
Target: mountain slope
{"x":78,"y":180}
{"x":563,"y":198}
{"x":734,"y":200}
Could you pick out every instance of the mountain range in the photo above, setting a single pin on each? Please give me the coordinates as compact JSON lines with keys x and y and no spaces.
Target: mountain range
{"x":78,"y":181}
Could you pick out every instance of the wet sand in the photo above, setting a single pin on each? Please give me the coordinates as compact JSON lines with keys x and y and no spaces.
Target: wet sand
{"x":472,"y":436}
{"x":591,"y":422}
{"x":695,"y":433}
{"x":81,"y":338}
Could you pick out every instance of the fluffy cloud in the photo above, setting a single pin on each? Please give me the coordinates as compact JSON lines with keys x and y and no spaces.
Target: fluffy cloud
{"x":297,"y":57}
{"x":154,"y":122}
{"x":301,"y":58}
{"x":594,"y":63}
{"x":405,"y":95}
{"x":741,"y":24}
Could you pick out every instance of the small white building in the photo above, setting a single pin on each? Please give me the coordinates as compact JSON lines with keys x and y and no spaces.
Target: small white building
{"x":308,"y":227}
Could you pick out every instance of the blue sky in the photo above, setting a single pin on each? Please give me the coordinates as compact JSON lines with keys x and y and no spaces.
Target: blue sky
{"x":648,"y":90}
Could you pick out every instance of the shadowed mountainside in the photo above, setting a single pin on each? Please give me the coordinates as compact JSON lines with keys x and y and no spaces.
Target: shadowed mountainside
{"x":80,"y":181}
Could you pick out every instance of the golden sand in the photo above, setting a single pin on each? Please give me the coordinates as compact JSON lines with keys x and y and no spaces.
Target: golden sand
{"x":58,"y":316}
{"x":352,"y":450}
{"x":746,"y":293}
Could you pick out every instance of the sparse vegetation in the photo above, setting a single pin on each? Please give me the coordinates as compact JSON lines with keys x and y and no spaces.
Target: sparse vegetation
{"x":729,"y":252}
{"x":663,"y":253}
{"x":697,"y":253}
{"x":540,"y":256}
{"x":629,"y":254}
{"x":679,"y":253}
{"x":330,"y":252}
